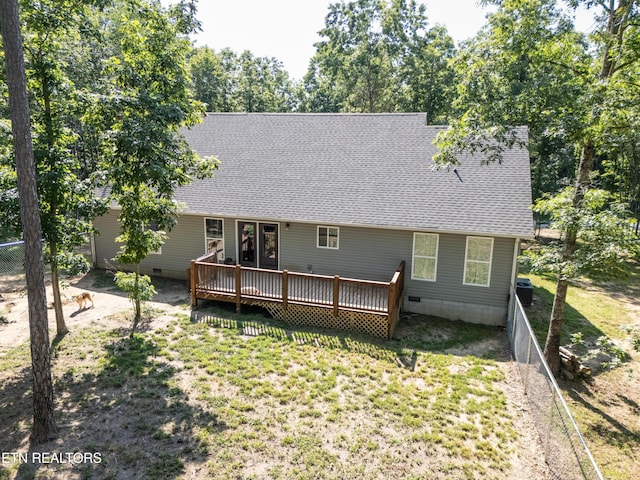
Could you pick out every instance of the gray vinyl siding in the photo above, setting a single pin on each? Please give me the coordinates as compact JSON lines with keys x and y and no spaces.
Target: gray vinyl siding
{"x":374,"y":254}
{"x":104,"y":241}
{"x":450,"y":276}
{"x":185,"y":242}
{"x":364,"y":253}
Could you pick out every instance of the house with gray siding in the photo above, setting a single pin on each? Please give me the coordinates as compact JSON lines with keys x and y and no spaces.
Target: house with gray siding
{"x":354,"y":196}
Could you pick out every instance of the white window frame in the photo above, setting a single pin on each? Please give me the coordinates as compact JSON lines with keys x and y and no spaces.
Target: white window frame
{"x":327,"y":246}
{"x":207,"y":238}
{"x":487,"y":262}
{"x":434,"y":257}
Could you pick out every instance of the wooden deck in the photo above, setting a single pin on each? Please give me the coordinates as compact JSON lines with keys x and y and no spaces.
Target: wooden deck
{"x":302,"y":298}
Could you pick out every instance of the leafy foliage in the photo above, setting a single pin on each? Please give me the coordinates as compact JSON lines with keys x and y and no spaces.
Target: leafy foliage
{"x":147,"y":99}
{"x":227,"y":82}
{"x":522,"y":69}
{"x":137,"y":287}
{"x":378,"y":56}
{"x":67,"y":202}
{"x":606,"y":240}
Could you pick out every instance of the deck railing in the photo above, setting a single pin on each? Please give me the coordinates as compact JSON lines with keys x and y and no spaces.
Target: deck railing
{"x":240,"y":284}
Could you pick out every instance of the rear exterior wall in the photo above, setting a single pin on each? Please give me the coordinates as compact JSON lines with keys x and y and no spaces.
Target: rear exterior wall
{"x":363,"y":253}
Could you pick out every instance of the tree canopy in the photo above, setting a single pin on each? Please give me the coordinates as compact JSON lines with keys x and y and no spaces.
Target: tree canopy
{"x":144,"y":158}
{"x":530,"y":67}
{"x":379,"y":56}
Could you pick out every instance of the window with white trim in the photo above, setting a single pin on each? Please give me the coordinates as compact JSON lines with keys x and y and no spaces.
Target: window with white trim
{"x":477,"y":261}
{"x":328,"y":237}
{"x":214,"y":236}
{"x":425,"y":256}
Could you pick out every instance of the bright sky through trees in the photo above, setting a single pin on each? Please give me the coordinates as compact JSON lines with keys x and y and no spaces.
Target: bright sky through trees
{"x":288,"y":29}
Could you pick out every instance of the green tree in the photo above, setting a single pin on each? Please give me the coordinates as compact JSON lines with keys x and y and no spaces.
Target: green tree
{"x":427,"y":78}
{"x":620,"y":168}
{"x":211,"y":81}
{"x":378,"y":56}
{"x":44,"y":424}
{"x":619,"y":42}
{"x":65,"y":187}
{"x":262,"y":85}
{"x":585,"y":122}
{"x":355,"y":57}
{"x":67,"y":202}
{"x":522,"y":70}
{"x":145,"y":157}
{"x":227,"y":82}
{"x":605,"y":238}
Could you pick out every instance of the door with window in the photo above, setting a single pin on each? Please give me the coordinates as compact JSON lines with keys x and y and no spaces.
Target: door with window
{"x":258,"y":245}
{"x":268,"y":257}
{"x":247,"y":244}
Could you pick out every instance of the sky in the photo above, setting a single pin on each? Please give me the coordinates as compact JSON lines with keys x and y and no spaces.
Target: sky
{"x":288,"y":29}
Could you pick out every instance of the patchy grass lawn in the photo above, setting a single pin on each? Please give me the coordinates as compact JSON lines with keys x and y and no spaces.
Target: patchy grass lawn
{"x":607,"y":406}
{"x":216,"y":395}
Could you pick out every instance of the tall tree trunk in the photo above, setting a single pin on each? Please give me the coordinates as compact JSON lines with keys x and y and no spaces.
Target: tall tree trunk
{"x":617,"y":23}
{"x":61,"y":326}
{"x":138,"y":303}
{"x":552,"y":344}
{"x":44,"y":425}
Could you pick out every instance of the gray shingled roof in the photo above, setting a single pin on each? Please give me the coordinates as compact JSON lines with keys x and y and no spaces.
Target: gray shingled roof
{"x":353,"y":169}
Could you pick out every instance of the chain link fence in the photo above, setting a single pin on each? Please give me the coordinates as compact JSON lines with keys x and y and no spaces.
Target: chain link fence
{"x":565,"y":450}
{"x":12,"y":258}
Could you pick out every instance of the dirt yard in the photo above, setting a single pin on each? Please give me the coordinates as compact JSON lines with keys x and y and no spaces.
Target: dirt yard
{"x":109,"y":305}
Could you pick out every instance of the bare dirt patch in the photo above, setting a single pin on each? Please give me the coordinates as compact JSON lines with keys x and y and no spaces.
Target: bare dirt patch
{"x":109,"y":309}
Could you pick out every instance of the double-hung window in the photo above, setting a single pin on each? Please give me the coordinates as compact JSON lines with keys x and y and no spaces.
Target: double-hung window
{"x":214,"y":236}
{"x":328,"y":237}
{"x":425,"y":256}
{"x":477,"y":262}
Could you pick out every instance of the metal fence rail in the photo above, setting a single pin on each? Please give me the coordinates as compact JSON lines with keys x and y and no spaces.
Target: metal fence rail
{"x":565,"y":450}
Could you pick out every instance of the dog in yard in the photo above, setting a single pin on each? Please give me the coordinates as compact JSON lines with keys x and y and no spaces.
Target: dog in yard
{"x":250,"y":291}
{"x":83,"y":299}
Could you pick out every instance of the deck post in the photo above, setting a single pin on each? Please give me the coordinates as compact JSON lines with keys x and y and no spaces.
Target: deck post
{"x":192,"y":283}
{"x":285,"y":289}
{"x":238,"y":288}
{"x":391,"y":306}
{"x":336,"y":295}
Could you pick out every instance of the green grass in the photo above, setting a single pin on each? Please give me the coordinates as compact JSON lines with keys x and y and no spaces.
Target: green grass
{"x":590,"y":310}
{"x":242,"y":397}
{"x":291,"y":389}
{"x":605,"y":406}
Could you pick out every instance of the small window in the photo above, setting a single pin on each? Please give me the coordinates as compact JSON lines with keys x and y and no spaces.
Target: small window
{"x":425,"y":256}
{"x":477,"y":262}
{"x":214,"y":237}
{"x":328,"y":237}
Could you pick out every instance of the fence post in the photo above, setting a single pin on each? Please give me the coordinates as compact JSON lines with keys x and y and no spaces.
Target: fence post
{"x":285,"y":289}
{"x":336,"y":295}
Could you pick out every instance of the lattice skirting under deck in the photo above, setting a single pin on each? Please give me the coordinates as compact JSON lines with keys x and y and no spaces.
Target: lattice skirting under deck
{"x":304,"y":315}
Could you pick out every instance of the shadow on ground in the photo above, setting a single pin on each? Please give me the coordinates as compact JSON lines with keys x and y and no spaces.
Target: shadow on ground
{"x":414,"y":333}
{"x":118,"y":407}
